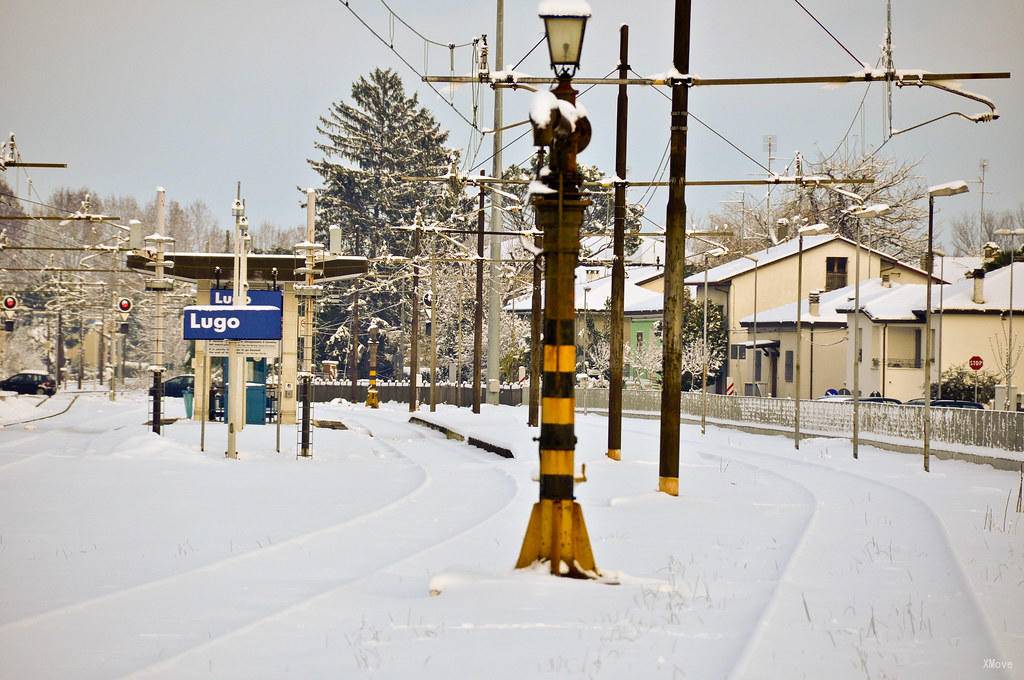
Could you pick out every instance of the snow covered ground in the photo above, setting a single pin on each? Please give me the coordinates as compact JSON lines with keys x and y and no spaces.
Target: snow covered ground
{"x":127,"y":554}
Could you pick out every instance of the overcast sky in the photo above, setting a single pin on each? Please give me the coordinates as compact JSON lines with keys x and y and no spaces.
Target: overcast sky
{"x":195,"y":94}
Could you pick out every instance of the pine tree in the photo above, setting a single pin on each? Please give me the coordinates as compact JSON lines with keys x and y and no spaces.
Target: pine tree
{"x":368,"y":145}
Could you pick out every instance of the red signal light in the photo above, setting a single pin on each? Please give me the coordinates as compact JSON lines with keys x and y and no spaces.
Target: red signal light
{"x":124,"y":305}
{"x":10,"y":303}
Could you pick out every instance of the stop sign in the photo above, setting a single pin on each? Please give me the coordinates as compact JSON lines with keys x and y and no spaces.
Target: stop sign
{"x":975,"y":363}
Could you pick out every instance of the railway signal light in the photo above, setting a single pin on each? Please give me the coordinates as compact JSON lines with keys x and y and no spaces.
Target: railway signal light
{"x":124,"y":305}
{"x":9,"y":305}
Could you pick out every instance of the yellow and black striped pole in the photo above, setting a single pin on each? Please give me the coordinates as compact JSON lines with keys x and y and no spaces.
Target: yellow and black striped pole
{"x":557,"y":533}
{"x":372,"y":400}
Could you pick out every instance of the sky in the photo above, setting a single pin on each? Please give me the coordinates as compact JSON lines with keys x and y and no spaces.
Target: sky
{"x":193,"y":95}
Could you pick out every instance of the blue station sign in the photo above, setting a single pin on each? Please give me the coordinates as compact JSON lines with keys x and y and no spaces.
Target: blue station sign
{"x":220,"y":322}
{"x":268,"y":298}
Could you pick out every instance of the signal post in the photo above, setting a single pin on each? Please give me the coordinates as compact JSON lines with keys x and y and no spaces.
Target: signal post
{"x":557,"y":533}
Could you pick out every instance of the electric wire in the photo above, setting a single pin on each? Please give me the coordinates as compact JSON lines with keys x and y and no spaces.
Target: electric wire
{"x":390,"y":46}
{"x":831,"y":35}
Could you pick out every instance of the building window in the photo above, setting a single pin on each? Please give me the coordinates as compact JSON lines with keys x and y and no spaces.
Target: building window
{"x":757,"y":366}
{"x":738,"y":352}
{"x":789,"y":365}
{"x":835,"y":272}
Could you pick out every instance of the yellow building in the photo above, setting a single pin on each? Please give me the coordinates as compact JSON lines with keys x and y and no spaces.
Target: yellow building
{"x":769,"y":277}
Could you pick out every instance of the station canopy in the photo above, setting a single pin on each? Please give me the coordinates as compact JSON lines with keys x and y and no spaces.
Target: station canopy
{"x":196,"y":266}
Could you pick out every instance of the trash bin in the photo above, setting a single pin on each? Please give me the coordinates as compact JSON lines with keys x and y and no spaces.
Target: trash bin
{"x":187,"y":395}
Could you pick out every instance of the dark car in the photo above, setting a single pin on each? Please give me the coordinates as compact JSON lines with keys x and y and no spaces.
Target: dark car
{"x":879,"y":400}
{"x":176,"y":386}
{"x":946,"y":403}
{"x":30,"y":382}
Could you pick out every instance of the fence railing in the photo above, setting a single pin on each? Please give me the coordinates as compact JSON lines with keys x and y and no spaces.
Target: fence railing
{"x":447,"y":393}
{"x":963,"y":427}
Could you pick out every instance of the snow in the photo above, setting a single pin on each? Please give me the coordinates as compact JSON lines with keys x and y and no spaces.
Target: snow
{"x":228,"y":308}
{"x":537,"y":187}
{"x":542,"y":103}
{"x":391,"y":555}
{"x":574,"y":8}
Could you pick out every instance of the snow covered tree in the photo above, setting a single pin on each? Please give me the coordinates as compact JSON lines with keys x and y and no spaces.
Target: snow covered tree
{"x":368,"y":145}
{"x":645,"y":363}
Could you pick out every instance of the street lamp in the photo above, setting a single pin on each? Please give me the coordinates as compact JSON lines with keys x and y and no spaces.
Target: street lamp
{"x":565,"y":24}
{"x":939,"y":190}
{"x":556,"y":532}
{"x":757,"y":385}
{"x":717,"y":251}
{"x":876,"y":210}
{"x":806,"y":229}
{"x":1009,"y":338}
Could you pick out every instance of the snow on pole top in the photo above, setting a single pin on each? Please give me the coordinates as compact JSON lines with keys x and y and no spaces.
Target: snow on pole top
{"x":541,"y":106}
{"x":564,"y":8}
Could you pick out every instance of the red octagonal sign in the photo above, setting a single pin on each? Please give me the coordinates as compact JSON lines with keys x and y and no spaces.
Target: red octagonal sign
{"x":975,"y":363}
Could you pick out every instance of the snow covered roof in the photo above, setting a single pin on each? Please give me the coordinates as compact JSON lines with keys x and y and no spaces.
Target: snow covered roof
{"x":832,"y":306}
{"x":907,"y":302}
{"x":996,"y":292}
{"x":741,"y":265}
{"x":952,"y":269}
{"x":637,"y":300}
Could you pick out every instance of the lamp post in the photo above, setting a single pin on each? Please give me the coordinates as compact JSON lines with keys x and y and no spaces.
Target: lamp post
{"x":717,"y":251}
{"x":942,"y":308}
{"x":806,"y":229}
{"x":757,"y":385}
{"x":860,"y":213}
{"x":586,"y":349}
{"x":556,"y":532}
{"x":948,"y":189}
{"x":1019,"y":231}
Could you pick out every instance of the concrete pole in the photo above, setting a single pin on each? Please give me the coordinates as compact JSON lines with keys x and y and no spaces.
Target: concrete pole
{"x":675,"y":253}
{"x":704,"y":374}
{"x":305,"y":438}
{"x":478,"y":312}
{"x":856,"y":348}
{"x":158,"y":326}
{"x":494,"y":306}
{"x":239,"y":298}
{"x":799,"y":339}
{"x":927,"y":413}
{"x":433,"y":323}
{"x":414,"y":336}
{"x":619,"y":257}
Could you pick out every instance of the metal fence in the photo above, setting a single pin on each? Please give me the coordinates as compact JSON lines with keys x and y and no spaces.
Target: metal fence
{"x":963,"y":427}
{"x":447,"y":393}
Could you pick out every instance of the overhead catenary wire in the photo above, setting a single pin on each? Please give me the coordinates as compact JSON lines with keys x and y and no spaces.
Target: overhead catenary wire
{"x":390,"y":46}
{"x":831,"y":34}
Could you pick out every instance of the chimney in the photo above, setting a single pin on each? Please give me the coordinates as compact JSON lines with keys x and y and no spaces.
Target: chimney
{"x":814,"y":298}
{"x":886,"y":281}
{"x":978,"y":296}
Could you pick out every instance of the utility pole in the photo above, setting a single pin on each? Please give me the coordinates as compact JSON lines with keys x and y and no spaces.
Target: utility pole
{"x":433,"y":324}
{"x":536,"y":318}
{"x":309,"y":300}
{"x":158,"y":285}
{"x":619,"y":257}
{"x":981,"y":221}
{"x":414,"y":344}
{"x":81,"y":348}
{"x":494,"y":308}
{"x":478,"y":312}
{"x":675,"y":253}
{"x":353,"y":363}
{"x":239,"y":298}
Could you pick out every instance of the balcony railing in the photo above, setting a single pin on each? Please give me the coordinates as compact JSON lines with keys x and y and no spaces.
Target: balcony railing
{"x":900,"y":362}
{"x":835,"y":280}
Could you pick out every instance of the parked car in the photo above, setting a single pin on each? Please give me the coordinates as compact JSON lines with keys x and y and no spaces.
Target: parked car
{"x":30,"y":382}
{"x":945,"y":403}
{"x":879,"y":400}
{"x":176,"y":386}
